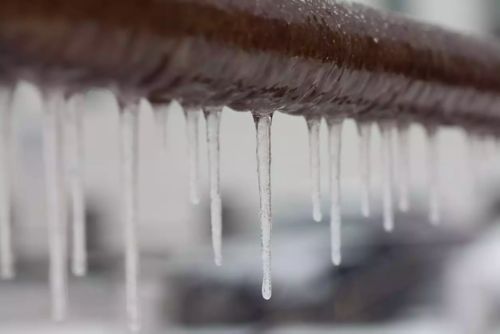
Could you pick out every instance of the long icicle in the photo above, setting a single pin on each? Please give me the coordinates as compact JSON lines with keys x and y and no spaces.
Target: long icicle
{"x":56,"y":206}
{"x":403,"y":131}
{"x":75,"y":174}
{"x":335,"y":126}
{"x":161,"y":120}
{"x":365,"y":136}
{"x":130,"y":156}
{"x":263,"y":125}
{"x":314,"y":128}
{"x":7,"y":261}
{"x":387,"y":154}
{"x":213,"y":116}
{"x":433,"y":176}
{"x":192,"y":123}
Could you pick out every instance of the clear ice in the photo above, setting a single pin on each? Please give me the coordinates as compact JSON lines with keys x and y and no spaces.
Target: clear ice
{"x":129,"y":118}
{"x":335,"y":147}
{"x":75,"y":141}
{"x":213,"y":116}
{"x":7,"y":270}
{"x":56,"y":205}
{"x":193,"y":136}
{"x":263,"y":125}
{"x":314,"y":128}
{"x":387,"y":174}
{"x":364,"y":130}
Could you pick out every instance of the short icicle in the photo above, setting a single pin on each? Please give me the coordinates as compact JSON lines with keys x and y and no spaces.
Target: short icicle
{"x":387,"y":174}
{"x":314,"y":128}
{"x":365,"y":134}
{"x":433,"y":175}
{"x":213,"y":116}
{"x":75,"y":142}
{"x":403,"y":161}
{"x":192,"y":122}
{"x":129,"y":117}
{"x":7,"y":261}
{"x":335,"y":126}
{"x":263,"y":124}
{"x":56,"y":204}
{"x":161,"y":119}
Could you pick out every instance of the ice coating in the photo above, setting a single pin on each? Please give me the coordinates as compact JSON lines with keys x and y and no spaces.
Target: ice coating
{"x":314,"y":127}
{"x":213,"y":116}
{"x":267,"y":57}
{"x":263,"y":125}
{"x":365,"y":137}
{"x":129,"y":120}
{"x":75,"y":140}
{"x":387,"y":129}
{"x":54,"y":106}
{"x":335,"y":148}
{"x":7,"y":270}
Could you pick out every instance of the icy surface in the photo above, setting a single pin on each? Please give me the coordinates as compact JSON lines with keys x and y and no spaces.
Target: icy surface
{"x":7,"y":270}
{"x":263,"y":125}
{"x":314,"y":127}
{"x":335,"y":148}
{"x":213,"y":116}
{"x":129,"y":119}
{"x":55,"y":104}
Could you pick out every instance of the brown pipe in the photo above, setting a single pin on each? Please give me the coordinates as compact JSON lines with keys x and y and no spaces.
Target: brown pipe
{"x":296,"y":56}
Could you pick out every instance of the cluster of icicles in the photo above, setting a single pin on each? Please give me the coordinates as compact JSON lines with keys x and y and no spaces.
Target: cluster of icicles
{"x":63,"y":117}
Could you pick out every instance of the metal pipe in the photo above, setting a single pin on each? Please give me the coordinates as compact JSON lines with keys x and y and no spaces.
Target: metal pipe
{"x":295,"y":56}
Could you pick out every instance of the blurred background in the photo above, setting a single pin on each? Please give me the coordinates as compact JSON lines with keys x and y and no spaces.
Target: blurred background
{"x":420,"y":279}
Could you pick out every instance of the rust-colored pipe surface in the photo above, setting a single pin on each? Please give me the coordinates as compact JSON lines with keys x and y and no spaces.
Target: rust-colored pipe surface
{"x":293,"y":56}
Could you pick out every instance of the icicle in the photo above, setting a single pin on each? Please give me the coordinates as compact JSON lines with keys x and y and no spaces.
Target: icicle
{"x":364,"y":130}
{"x":56,"y":206}
{"x":192,"y":122}
{"x":314,"y":127}
{"x":212,"y":116}
{"x":403,"y":131}
{"x":130,"y":156}
{"x":74,"y":124}
{"x":335,"y":147}
{"x":161,"y":119}
{"x":387,"y":153}
{"x":263,"y":125}
{"x":7,"y":270}
{"x":473,"y":160}
{"x":433,"y":170}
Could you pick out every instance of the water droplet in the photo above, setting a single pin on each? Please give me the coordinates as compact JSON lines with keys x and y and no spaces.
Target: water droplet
{"x":263,"y":125}
{"x":56,"y":206}
{"x":365,"y":135}
{"x":387,"y":155}
{"x":129,"y":117}
{"x":74,"y":126}
{"x":314,"y":127}
{"x":335,"y":126}
{"x":213,"y":116}
{"x":7,"y":270}
{"x":192,"y":122}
